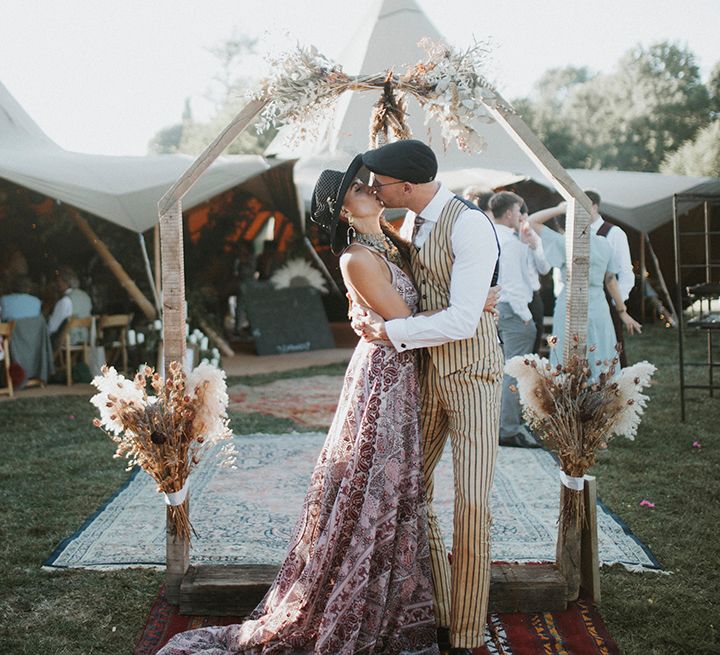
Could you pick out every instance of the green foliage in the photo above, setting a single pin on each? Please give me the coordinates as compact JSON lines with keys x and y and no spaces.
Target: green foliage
{"x":630,"y":119}
{"x":698,"y":156}
{"x":228,"y":95}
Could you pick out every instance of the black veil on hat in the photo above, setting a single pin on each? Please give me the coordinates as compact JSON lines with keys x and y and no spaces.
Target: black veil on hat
{"x":327,"y":199}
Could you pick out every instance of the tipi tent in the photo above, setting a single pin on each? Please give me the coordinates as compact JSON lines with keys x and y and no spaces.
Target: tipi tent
{"x":389,"y":38}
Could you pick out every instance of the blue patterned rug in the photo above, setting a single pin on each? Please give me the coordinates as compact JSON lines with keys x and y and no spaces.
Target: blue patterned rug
{"x":246,"y":515}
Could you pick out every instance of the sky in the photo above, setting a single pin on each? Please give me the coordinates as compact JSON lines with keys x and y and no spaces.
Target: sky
{"x":103,"y":76}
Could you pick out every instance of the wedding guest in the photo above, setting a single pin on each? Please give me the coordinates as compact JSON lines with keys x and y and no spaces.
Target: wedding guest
{"x":74,"y":303}
{"x":516,"y":325}
{"x":602,"y":274}
{"x":537,"y":265}
{"x":618,"y":241}
{"x":481,"y":197}
{"x":20,"y":303}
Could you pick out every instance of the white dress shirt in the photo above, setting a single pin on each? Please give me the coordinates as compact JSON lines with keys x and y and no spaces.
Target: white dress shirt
{"x":618,"y":241}
{"x":63,"y":310}
{"x":537,"y":265}
{"x":475,"y":250}
{"x":514,"y":279}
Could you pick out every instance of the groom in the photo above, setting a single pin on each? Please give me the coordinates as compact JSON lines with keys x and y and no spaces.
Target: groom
{"x":454,"y":266}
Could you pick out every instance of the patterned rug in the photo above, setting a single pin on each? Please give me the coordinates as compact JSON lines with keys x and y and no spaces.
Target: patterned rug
{"x":307,"y":401}
{"x":579,"y":630}
{"x":246,"y":515}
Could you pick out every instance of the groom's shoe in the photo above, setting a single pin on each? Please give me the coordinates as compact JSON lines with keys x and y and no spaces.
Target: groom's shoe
{"x":443,"y":638}
{"x":461,"y":651}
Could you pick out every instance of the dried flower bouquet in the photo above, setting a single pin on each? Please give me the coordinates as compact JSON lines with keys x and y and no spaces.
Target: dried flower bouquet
{"x":576,"y":415}
{"x":165,"y":434}
{"x":450,"y":85}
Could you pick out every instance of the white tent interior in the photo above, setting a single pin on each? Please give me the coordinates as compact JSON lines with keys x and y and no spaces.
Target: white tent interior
{"x":388,"y":39}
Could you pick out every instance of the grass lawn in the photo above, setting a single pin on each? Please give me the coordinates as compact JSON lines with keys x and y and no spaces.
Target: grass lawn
{"x":58,"y":469}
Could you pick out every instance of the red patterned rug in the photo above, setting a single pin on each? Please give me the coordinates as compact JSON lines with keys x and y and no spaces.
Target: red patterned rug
{"x":307,"y":401}
{"x":579,"y":630}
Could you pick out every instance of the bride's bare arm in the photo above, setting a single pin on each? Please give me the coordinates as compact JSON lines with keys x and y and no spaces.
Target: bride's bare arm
{"x":369,"y":279}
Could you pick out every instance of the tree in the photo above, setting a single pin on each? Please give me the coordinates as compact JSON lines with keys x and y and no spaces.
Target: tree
{"x":544,"y":111}
{"x":714,"y":90}
{"x":630,"y":119}
{"x":698,"y":156}
{"x":228,"y":95}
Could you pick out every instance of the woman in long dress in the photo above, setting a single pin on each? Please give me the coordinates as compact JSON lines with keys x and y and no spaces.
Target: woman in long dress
{"x":603,"y":273}
{"x":356,"y":577}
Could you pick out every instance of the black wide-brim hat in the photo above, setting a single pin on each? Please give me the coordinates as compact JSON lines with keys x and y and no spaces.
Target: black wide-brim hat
{"x":327,"y":200}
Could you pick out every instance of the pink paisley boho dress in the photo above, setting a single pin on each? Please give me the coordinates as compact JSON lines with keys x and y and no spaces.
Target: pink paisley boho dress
{"x":356,"y":578}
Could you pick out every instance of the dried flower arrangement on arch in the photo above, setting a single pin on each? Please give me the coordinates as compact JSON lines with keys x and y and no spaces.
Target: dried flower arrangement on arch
{"x":450,"y":85}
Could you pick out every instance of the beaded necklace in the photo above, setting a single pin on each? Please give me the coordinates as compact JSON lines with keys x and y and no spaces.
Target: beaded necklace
{"x":381,"y":244}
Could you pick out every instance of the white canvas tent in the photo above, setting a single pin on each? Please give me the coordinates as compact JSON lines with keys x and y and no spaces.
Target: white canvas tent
{"x":122,"y":190}
{"x":389,"y":37}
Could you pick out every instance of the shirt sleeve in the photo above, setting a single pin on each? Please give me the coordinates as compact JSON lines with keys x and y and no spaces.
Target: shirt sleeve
{"x":475,"y":249}
{"x":623,"y":261}
{"x":553,"y":246}
{"x":539,"y":260}
{"x":61,"y":311}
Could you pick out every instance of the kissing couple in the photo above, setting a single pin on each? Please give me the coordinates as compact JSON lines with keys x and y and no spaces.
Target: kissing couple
{"x":366,"y":570}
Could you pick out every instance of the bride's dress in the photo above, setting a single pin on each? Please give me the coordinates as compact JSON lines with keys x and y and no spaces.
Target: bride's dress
{"x":356,"y":578}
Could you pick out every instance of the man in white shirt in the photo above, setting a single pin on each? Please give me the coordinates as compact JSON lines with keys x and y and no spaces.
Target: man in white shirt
{"x":517,"y":327}
{"x":454,"y":263}
{"x":621,"y":252}
{"x":73,"y":303}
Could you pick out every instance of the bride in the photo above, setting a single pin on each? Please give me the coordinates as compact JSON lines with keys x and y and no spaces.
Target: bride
{"x":356,"y":577}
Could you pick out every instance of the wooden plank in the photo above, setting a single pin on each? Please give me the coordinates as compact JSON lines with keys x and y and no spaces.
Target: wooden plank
{"x":177,"y":550}
{"x":237,"y":590}
{"x":577,"y":252}
{"x":175,"y":193}
{"x":589,"y":552}
{"x":567,"y":553}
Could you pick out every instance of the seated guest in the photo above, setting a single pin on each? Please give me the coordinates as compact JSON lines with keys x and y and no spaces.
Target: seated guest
{"x":20,"y":303}
{"x":73,"y":303}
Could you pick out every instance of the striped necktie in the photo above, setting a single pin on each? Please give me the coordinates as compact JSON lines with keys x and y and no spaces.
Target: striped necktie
{"x":419,"y":222}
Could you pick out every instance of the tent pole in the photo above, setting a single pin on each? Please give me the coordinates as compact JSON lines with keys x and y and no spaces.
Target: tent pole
{"x":148,"y":271}
{"x":113,"y":264}
{"x":643,"y":273}
{"x":663,"y":286}
{"x":321,"y":265}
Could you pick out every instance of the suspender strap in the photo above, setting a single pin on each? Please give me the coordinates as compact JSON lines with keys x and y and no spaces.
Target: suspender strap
{"x":604,"y":229}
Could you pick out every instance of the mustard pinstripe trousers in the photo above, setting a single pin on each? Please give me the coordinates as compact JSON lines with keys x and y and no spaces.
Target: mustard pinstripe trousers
{"x":464,"y":406}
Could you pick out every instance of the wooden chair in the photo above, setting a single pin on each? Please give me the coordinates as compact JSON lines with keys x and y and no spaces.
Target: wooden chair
{"x":66,"y":349}
{"x":6,"y":330}
{"x":119,"y":324}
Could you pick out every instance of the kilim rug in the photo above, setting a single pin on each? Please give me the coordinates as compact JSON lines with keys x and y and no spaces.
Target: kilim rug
{"x":579,"y":630}
{"x":307,"y":401}
{"x":246,"y":515}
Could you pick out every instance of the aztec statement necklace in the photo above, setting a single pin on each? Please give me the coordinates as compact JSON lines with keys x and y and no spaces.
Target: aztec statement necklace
{"x":383,"y":245}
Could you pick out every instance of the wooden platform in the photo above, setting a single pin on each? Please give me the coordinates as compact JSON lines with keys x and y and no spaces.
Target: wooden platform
{"x":236,"y":590}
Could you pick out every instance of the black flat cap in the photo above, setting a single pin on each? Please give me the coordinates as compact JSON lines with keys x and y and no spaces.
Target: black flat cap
{"x":327,"y":200}
{"x":409,"y":160}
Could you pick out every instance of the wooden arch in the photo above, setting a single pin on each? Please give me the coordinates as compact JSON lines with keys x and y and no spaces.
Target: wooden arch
{"x":577,"y":244}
